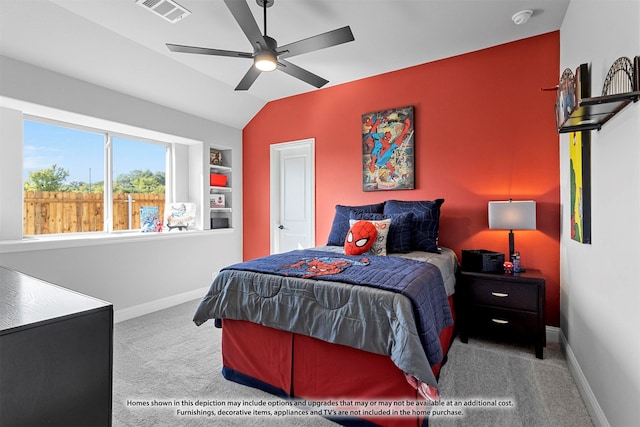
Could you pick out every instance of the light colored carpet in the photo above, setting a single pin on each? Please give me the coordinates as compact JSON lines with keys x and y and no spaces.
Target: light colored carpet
{"x":543,"y":392}
{"x":164,"y":357}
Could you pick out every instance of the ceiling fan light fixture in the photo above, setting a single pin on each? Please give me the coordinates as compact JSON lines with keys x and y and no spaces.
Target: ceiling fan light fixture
{"x":267,"y":55}
{"x":265,"y":61}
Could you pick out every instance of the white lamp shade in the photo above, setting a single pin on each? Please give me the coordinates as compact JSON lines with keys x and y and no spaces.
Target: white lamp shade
{"x":512,"y":215}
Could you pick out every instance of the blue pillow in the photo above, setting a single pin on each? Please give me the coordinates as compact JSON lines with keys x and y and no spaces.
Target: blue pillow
{"x":340,"y":225}
{"x":399,"y":238}
{"x":426,"y":221}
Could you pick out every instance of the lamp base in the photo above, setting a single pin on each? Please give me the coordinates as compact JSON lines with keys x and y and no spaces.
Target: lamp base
{"x":511,"y":244}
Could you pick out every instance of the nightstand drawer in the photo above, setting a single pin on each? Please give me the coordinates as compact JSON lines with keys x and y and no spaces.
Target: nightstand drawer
{"x":505,"y":323}
{"x":520,"y":296}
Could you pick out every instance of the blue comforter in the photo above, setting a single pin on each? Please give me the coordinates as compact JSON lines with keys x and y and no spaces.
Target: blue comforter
{"x":420,"y":282}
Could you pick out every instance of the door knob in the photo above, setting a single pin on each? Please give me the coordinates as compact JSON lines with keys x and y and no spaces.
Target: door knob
{"x":281,"y":227}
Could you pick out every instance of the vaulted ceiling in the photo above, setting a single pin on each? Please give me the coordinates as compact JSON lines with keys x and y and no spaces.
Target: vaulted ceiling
{"x":120,"y":45}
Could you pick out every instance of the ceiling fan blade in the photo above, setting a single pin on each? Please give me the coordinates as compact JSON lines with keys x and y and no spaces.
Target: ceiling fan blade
{"x":301,"y":73}
{"x":242,"y":14}
{"x":207,"y":51}
{"x":248,"y":79}
{"x":321,"y":41}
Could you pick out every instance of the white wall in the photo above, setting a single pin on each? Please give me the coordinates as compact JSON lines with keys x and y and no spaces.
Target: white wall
{"x":138,"y":273}
{"x":10,"y":218}
{"x":600,"y":288}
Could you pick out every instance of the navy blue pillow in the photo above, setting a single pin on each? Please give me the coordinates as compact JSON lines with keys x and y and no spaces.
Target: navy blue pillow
{"x":426,"y":221}
{"x":340,"y":226}
{"x":399,"y":237}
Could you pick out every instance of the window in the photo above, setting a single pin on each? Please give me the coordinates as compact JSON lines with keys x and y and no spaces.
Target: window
{"x":138,"y":177}
{"x":88,"y":180}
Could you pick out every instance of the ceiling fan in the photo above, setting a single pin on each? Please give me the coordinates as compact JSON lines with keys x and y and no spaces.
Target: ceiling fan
{"x":267,"y":55}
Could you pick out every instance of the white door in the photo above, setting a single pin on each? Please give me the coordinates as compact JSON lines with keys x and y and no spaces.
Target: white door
{"x":292,"y":196}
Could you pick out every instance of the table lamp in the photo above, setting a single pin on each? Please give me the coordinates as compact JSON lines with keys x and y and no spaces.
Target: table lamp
{"x":512,"y":215}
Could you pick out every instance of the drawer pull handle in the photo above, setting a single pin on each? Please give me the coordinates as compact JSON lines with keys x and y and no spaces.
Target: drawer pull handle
{"x":500,"y":321}
{"x":499,"y":294}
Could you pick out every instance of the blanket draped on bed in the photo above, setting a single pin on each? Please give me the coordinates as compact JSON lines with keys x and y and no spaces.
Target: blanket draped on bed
{"x":261,"y":290}
{"x":418,"y":281}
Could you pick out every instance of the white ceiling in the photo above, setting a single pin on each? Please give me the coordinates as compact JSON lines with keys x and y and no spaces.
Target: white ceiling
{"x":121,"y":45}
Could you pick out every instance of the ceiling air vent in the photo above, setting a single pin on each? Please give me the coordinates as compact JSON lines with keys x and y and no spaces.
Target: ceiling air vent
{"x":168,"y":9}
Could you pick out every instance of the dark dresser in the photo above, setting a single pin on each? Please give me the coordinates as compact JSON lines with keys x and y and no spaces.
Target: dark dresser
{"x":56,"y":355}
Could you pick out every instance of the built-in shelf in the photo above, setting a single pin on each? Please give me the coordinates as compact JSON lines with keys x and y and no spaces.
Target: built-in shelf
{"x":219,"y":189}
{"x":213,"y":188}
{"x":219,"y":168}
{"x":220,"y":196}
{"x":592,"y":113}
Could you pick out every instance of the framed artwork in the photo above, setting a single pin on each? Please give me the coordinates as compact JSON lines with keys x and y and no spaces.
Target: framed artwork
{"x":566,"y":99}
{"x":217,"y":200}
{"x":180,"y":215}
{"x":215,"y":157}
{"x":580,"y":171}
{"x":149,"y":219}
{"x":572,"y":89}
{"x":388,"y":150}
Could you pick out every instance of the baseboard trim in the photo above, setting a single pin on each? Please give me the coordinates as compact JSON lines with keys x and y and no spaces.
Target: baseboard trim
{"x":590,"y":401}
{"x":156,"y":305}
{"x":553,"y":333}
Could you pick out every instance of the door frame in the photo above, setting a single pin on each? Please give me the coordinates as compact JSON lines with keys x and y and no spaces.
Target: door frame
{"x":274,"y":187}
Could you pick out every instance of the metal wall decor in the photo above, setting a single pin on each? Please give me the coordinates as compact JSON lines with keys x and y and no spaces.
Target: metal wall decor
{"x":636,"y":79}
{"x":619,"y":78}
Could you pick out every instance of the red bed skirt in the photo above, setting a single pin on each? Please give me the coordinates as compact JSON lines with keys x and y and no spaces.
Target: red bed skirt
{"x":292,"y":365}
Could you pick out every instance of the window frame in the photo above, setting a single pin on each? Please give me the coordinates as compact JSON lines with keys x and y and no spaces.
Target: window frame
{"x":108,"y":168}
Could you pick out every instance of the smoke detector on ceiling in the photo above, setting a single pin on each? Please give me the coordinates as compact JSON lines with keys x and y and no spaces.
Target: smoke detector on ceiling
{"x":167,"y":9}
{"x":521,"y":17}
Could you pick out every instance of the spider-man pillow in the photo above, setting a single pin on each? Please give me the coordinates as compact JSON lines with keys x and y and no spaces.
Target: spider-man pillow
{"x":382,"y":227}
{"x":360,"y":237}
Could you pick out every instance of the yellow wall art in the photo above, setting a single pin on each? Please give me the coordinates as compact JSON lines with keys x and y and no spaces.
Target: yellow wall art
{"x":580,"y":168}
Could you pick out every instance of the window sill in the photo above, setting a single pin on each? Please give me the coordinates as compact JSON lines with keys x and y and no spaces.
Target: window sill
{"x":92,"y":239}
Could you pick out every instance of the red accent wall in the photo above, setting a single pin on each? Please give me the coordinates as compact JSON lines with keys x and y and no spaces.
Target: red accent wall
{"x":483,"y":131}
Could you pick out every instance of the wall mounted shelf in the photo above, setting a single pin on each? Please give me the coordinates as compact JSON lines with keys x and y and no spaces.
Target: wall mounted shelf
{"x":593,"y":113}
{"x":577,"y":110}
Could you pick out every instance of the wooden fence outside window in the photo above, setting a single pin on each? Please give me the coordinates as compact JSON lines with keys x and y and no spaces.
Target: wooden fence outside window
{"x":65,"y":212}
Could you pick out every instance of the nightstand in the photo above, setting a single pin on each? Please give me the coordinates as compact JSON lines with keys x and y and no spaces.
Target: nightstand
{"x":505,"y":306}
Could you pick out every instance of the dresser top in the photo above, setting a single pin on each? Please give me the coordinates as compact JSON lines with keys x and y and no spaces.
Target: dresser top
{"x":530,"y":275}
{"x":26,"y":302}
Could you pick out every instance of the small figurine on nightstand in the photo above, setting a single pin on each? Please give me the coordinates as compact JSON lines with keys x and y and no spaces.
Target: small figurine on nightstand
{"x":508,"y":267}
{"x":515,"y":259}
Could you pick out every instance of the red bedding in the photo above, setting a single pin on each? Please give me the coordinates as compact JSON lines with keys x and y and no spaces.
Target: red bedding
{"x":293,"y":365}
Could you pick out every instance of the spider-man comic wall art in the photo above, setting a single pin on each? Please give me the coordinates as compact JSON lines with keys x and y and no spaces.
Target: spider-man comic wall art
{"x":387,"y":150}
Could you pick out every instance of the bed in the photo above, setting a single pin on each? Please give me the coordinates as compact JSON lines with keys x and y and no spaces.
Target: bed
{"x":320,"y":325}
